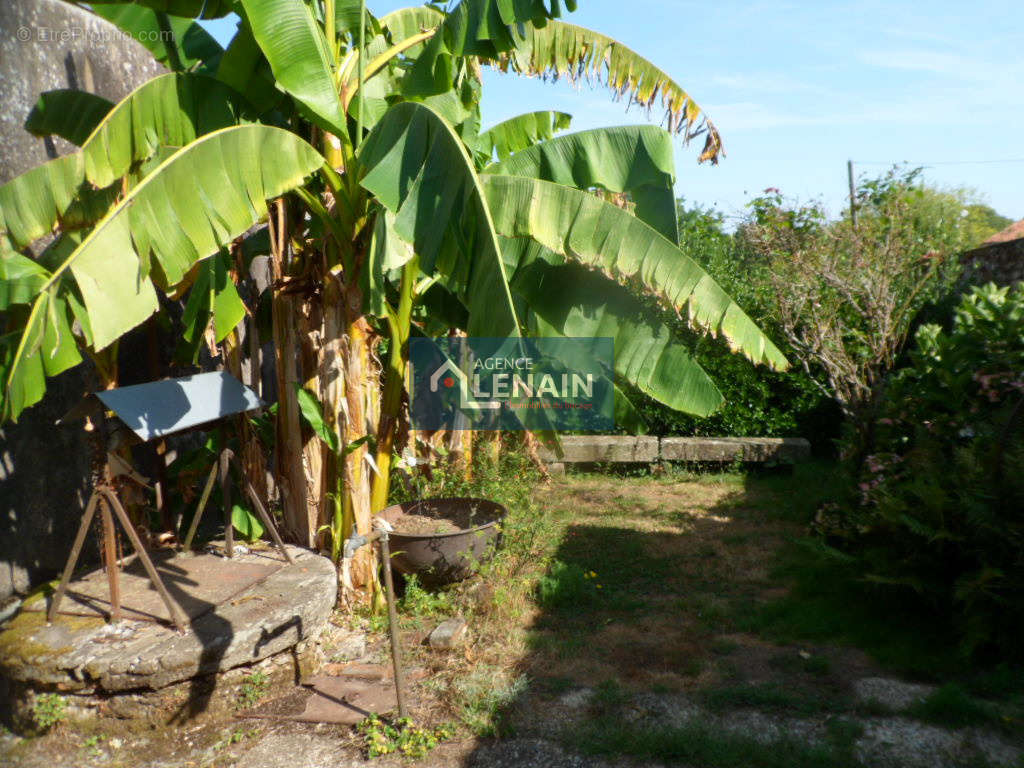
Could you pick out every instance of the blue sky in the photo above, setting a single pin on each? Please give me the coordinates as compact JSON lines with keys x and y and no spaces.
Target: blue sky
{"x":798,"y":88}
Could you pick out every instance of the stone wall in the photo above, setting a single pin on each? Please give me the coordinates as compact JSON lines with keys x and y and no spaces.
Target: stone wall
{"x":44,"y":469}
{"x":999,"y":263}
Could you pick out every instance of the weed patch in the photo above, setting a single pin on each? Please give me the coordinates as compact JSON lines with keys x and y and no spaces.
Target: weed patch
{"x":384,"y":737}
{"x":482,"y":695}
{"x":49,"y":711}
{"x":254,"y":688}
{"x":567,"y":586}
{"x":421,"y":602}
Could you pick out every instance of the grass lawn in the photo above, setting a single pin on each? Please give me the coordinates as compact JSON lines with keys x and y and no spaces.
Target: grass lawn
{"x":700,"y":586}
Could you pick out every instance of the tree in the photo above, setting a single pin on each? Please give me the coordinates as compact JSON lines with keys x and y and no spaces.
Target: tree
{"x":364,"y":135}
{"x":846,"y":294}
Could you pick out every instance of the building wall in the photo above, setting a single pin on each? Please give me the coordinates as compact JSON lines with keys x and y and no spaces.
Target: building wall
{"x":999,"y":263}
{"x":44,"y":469}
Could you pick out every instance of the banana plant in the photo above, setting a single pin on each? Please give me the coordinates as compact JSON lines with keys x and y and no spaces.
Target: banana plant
{"x":352,"y":144}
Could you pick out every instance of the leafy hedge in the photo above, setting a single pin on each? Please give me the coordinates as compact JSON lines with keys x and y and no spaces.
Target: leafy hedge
{"x":759,"y":402}
{"x":938,"y":506}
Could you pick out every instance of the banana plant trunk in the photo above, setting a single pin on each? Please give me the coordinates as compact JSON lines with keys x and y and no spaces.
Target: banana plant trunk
{"x":400,"y":325}
{"x":332,"y":391}
{"x":360,"y":389}
{"x":291,"y":474}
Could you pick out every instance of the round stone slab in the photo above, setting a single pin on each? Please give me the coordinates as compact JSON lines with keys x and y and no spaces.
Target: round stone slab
{"x":85,"y":654}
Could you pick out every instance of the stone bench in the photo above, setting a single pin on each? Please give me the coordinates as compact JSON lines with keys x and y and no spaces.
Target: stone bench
{"x":787,"y":450}
{"x":590,"y":449}
{"x":626,"y":449}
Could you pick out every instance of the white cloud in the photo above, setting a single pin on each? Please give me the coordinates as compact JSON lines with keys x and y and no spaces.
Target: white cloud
{"x":936,"y":62}
{"x":765,"y":82}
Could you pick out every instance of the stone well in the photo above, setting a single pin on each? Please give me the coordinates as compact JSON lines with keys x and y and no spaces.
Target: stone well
{"x":254,"y":610}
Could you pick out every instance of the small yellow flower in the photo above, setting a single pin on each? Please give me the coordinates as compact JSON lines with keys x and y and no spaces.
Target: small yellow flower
{"x":592,"y":575}
{"x":599,"y":586}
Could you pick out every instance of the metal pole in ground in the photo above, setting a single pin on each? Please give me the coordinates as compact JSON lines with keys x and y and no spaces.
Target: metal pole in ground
{"x":385,"y":556}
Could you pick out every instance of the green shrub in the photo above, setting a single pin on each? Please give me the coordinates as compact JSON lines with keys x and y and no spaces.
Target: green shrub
{"x":939,"y":502}
{"x":757,"y":401}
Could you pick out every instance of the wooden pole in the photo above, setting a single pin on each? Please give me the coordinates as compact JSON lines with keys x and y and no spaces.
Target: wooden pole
{"x":853,"y":193}
{"x":207,"y":489}
{"x":225,"y":494}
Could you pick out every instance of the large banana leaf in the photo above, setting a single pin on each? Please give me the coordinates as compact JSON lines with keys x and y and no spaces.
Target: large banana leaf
{"x":474,"y":28}
{"x":406,"y":22}
{"x":522,"y":131}
{"x":380,"y":84}
{"x":187,"y":209}
{"x":584,"y":228}
{"x":347,"y":18}
{"x":34,"y":202}
{"x":213,"y":295}
{"x":387,"y":252}
{"x":571,"y":300}
{"x":244,"y":67}
{"x":443,"y":311}
{"x":636,"y":159}
{"x":189,"y":9}
{"x":45,"y":347}
{"x":191,"y":44}
{"x":488,"y":27}
{"x":294,"y":44}
{"x":72,"y":115}
{"x":169,"y":110}
{"x":418,"y":169}
{"x":627,"y":416}
{"x":398,"y":37}
{"x":565,"y":50}
{"x":21,"y":279}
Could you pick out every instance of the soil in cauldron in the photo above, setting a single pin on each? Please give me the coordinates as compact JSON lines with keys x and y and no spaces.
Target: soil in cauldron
{"x":433,"y":520}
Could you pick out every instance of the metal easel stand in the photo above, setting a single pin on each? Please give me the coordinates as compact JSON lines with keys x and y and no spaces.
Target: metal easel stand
{"x":105,"y":497}
{"x":145,"y":412}
{"x":221,"y":468}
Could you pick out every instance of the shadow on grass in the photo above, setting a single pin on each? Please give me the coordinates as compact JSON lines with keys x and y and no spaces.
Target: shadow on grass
{"x":625,"y":614}
{"x":644,"y":597}
{"x":829,"y":602}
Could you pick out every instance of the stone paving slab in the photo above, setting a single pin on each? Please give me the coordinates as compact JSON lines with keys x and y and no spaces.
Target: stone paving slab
{"x":87,"y":655}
